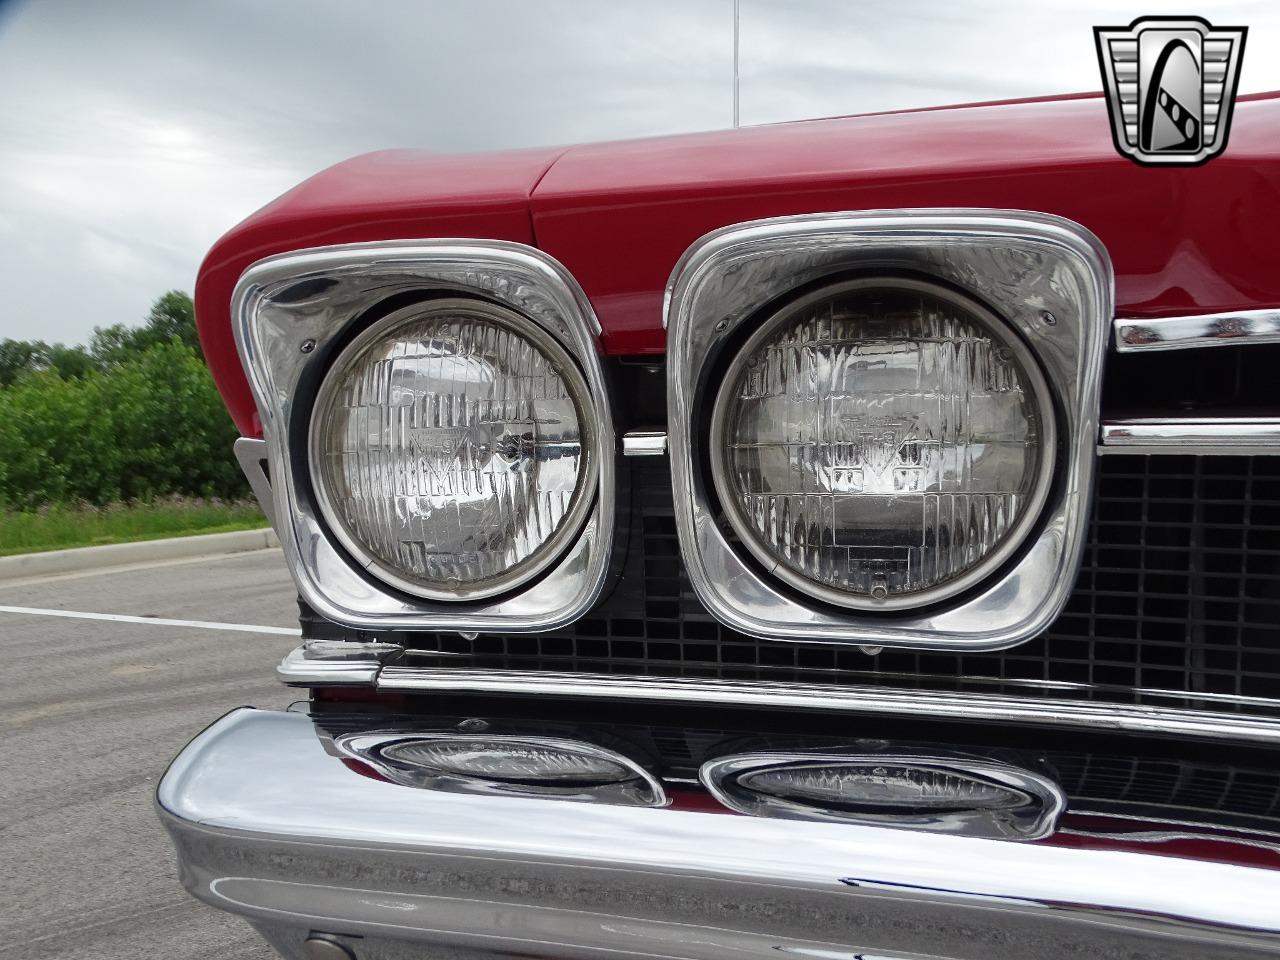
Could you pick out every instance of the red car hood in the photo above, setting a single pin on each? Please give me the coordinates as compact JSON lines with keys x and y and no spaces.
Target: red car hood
{"x":618,"y":215}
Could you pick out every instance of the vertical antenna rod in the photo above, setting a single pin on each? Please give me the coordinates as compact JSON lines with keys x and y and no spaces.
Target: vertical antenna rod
{"x":735,"y":64}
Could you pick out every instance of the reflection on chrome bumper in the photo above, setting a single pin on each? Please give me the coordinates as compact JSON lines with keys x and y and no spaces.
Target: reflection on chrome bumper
{"x":271,"y":825}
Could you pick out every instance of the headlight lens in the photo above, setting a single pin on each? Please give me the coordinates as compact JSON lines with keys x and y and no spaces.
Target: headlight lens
{"x":452,"y":450}
{"x":882,"y":443}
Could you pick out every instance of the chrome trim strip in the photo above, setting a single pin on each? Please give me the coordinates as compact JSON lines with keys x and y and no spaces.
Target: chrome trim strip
{"x":1104,"y":808}
{"x":1227,"y":436}
{"x":644,"y":443}
{"x":1239,"y":699}
{"x":319,"y":663}
{"x":269,"y":825}
{"x":1035,"y":688}
{"x":1048,"y":278}
{"x":289,"y":309}
{"x":859,"y":699}
{"x":1240,"y":328}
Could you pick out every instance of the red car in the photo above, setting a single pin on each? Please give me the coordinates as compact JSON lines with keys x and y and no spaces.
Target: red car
{"x":857,"y":538}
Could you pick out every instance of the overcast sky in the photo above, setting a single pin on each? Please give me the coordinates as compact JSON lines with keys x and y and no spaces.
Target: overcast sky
{"x":133,"y":132}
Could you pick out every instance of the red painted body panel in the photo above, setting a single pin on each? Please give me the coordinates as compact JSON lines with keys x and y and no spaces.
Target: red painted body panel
{"x":393,"y":195}
{"x":618,"y":215}
{"x":1182,"y":240}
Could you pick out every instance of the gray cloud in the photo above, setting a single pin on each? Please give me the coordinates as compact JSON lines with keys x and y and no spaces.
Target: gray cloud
{"x":133,"y":133}
{"x":821,"y":58}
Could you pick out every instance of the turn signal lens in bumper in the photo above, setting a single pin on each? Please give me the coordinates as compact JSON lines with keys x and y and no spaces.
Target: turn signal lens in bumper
{"x":970,"y":796}
{"x":882,"y":787}
{"x":508,"y":761}
{"x":507,"y":765}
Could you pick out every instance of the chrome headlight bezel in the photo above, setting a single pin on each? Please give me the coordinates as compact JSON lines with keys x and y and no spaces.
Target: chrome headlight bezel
{"x":292,"y":312}
{"x":980,"y":570}
{"x":1047,"y":278}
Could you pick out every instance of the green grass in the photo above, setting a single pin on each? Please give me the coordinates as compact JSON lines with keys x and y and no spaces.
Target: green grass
{"x":58,"y":526}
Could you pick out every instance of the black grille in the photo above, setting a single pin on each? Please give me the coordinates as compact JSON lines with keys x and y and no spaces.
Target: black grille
{"x":1150,"y":782}
{"x":1179,"y":591}
{"x":1235,"y":382}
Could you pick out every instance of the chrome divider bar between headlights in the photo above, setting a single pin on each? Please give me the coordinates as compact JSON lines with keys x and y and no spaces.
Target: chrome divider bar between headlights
{"x":644,"y":443}
{"x":1118,"y":717}
{"x":1227,"y":436}
{"x":1239,"y":328}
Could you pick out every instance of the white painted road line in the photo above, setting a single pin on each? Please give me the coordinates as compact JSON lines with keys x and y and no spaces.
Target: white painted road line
{"x":154,"y":621}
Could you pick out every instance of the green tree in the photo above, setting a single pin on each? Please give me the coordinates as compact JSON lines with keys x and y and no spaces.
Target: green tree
{"x":21,"y":357}
{"x":172,"y":317}
{"x":68,"y":362}
{"x":146,"y":427}
{"x":134,"y":416}
{"x":16,"y":358}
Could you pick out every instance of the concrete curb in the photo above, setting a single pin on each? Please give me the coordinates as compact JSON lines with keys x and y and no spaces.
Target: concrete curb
{"x":79,"y":559}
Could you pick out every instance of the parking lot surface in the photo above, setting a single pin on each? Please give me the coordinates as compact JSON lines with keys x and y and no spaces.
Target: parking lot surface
{"x":94,"y":710}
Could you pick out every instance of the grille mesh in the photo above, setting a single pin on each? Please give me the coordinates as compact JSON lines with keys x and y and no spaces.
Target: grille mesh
{"x":1179,"y":591}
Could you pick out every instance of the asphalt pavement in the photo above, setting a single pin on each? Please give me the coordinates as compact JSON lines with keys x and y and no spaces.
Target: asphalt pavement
{"x":93,"y":711}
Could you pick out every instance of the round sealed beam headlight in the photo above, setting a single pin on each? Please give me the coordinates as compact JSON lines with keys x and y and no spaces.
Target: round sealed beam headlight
{"x":882,"y":443}
{"x":452,"y":449}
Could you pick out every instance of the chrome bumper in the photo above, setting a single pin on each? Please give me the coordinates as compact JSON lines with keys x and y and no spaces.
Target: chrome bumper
{"x":271,"y":826}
